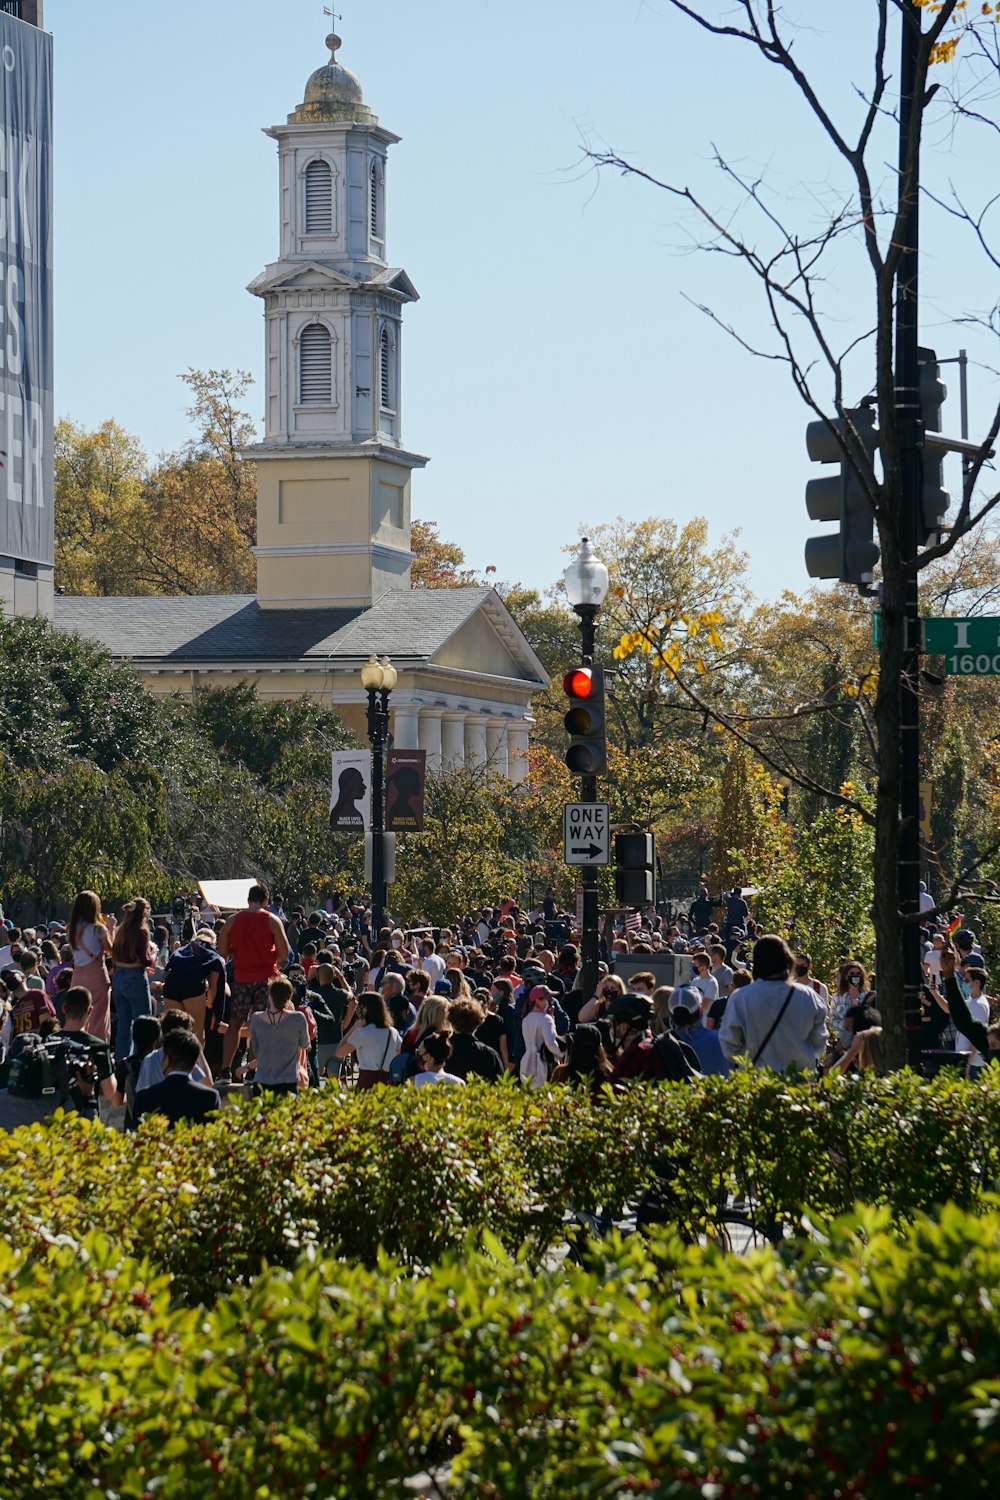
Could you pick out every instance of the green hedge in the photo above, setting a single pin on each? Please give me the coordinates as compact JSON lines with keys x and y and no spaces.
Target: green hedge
{"x":412,"y":1172}
{"x":861,"y":1364}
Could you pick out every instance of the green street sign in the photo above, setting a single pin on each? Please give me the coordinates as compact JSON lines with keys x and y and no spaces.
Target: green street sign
{"x":970,"y":647}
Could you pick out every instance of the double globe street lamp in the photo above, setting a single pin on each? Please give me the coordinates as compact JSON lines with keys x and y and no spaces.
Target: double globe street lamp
{"x":378,"y":678}
{"x":586,"y":582}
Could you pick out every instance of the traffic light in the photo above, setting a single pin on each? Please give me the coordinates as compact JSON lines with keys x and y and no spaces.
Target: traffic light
{"x":851,"y":553}
{"x":587,"y":752}
{"x":934,"y":498}
{"x":634,"y":869}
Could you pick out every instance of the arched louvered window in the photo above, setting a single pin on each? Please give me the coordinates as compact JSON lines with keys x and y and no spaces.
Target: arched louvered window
{"x":387,"y":390}
{"x":315,"y":366}
{"x":319,"y":197}
{"x":377,"y":201}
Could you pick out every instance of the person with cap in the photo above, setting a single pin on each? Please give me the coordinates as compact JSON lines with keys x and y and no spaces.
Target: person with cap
{"x":684,"y":1004}
{"x":641,"y":1056}
{"x":969,"y":952}
{"x":539,"y":1037}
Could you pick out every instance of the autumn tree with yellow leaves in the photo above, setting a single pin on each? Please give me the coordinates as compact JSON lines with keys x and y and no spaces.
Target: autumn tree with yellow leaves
{"x":184,"y":523}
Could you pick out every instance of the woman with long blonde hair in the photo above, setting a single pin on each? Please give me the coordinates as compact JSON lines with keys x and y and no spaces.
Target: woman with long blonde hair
{"x":90,"y":940}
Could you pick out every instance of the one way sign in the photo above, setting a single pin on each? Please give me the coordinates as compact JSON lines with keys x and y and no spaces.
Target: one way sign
{"x":586,"y":833}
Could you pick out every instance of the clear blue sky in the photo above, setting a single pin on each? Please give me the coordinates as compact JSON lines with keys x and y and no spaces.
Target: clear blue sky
{"x":553,"y":370}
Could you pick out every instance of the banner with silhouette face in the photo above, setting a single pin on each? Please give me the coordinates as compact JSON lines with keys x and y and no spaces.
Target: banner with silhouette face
{"x":404,"y":791}
{"x":351,"y":794}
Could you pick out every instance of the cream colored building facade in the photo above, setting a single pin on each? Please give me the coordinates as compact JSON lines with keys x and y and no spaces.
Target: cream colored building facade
{"x":333,"y":488}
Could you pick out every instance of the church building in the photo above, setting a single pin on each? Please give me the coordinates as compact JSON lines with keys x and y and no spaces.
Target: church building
{"x":333,"y":488}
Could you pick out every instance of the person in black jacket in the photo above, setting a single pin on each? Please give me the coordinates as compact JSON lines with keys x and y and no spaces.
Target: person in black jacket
{"x":178,"y":1096}
{"x":468,"y":1054}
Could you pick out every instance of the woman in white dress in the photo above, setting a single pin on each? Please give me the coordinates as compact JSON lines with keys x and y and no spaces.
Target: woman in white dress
{"x":542,"y":1048}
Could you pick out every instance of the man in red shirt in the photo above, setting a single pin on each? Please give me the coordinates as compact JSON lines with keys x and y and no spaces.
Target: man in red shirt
{"x":255,"y":940}
{"x":28,"y":1007}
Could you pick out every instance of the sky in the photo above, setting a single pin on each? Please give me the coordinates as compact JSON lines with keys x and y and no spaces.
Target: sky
{"x":557,"y":369}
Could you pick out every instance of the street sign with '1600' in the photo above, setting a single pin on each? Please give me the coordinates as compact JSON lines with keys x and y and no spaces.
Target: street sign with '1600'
{"x":971,"y":648}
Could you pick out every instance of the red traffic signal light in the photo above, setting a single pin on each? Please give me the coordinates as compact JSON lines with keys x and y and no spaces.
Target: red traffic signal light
{"x":579,"y":683}
{"x":586,"y":754}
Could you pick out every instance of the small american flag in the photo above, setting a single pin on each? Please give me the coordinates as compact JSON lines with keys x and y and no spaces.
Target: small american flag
{"x":633,"y":922}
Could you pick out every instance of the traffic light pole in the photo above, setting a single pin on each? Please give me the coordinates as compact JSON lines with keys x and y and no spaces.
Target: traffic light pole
{"x":908,"y":423}
{"x":378,"y":735}
{"x":589,"y":945}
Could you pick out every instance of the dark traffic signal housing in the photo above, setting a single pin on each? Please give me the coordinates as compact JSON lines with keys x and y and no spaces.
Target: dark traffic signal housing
{"x":586,"y":721}
{"x":634,"y":856}
{"x":849,"y":554}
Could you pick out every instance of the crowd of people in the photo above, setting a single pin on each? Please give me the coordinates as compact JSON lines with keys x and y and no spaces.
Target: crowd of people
{"x":128,"y":1016}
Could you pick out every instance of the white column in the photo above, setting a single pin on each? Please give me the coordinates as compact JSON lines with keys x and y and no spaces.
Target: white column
{"x":452,"y":740}
{"x":517,"y":750}
{"x":496,"y":746}
{"x":430,"y":736}
{"x":475,"y":739}
{"x":404,"y":726}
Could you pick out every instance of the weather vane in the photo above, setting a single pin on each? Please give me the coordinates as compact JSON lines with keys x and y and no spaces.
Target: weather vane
{"x":328,"y":10}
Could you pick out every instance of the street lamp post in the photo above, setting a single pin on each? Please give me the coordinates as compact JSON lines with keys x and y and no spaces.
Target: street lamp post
{"x":378,"y":678}
{"x":586,"y":581}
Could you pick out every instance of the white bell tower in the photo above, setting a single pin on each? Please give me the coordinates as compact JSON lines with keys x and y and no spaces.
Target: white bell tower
{"x":333,"y":479}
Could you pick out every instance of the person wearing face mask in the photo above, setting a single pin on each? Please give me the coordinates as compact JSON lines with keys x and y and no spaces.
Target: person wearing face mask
{"x":852,"y":989}
{"x":805,"y":975}
{"x":983,"y":1038}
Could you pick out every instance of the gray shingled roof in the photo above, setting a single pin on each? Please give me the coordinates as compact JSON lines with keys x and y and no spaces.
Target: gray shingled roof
{"x":219,"y":627}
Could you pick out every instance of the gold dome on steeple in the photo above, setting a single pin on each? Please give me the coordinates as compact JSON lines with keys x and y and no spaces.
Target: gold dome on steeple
{"x":332,"y":93}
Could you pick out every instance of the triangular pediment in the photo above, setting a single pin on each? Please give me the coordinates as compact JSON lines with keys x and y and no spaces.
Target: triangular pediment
{"x":394,"y":279}
{"x":291,"y":278}
{"x":489,"y":641}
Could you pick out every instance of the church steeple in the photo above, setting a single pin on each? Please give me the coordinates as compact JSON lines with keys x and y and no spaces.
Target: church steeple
{"x":333,"y":477}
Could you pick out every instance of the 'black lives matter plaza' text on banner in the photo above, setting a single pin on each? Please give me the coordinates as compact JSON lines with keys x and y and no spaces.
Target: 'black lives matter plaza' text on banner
{"x":26,"y":363}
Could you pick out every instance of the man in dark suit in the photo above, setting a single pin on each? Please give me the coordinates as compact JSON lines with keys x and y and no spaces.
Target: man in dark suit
{"x":178,"y":1096}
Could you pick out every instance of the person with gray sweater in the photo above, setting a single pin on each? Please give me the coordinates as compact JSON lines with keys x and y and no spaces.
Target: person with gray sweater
{"x":277,"y":1036}
{"x":776,"y":1023}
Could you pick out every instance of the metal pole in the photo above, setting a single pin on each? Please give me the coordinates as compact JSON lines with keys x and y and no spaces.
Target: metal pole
{"x":907,"y":380}
{"x":378,"y":713}
{"x":589,"y":936}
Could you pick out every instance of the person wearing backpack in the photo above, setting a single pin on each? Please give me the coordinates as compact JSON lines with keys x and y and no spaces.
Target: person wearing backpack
{"x":776,"y":1023}
{"x":642,"y":1057}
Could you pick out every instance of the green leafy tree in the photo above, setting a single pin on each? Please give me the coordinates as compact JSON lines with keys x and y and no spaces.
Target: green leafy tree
{"x":751,"y":837}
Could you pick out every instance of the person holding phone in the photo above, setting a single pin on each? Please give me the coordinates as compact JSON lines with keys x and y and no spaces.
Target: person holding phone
{"x":599,"y":1005}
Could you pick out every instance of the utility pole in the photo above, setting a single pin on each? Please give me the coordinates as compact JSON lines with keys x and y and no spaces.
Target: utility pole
{"x":910,"y":438}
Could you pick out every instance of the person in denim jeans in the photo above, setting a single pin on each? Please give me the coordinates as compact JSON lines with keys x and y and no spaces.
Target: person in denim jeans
{"x":134,"y":956}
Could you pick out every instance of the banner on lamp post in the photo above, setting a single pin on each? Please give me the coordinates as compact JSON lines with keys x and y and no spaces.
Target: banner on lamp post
{"x":404,"y":790}
{"x":351,"y":792}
